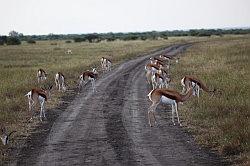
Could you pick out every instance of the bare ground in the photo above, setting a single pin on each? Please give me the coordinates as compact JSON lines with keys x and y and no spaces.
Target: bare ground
{"x":110,"y":127}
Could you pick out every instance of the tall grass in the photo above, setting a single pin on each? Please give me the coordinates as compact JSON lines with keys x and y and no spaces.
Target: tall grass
{"x":223,"y":121}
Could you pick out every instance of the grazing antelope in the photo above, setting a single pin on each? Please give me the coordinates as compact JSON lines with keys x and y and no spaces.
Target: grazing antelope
{"x":68,"y":51}
{"x":87,"y":76}
{"x":106,"y":64}
{"x":41,"y":75}
{"x":60,"y":81}
{"x":38,"y":96}
{"x":166,"y":96}
{"x":196,"y":84}
{"x":5,"y":137}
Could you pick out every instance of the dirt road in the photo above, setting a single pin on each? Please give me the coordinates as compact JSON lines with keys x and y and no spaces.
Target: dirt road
{"x":110,"y":127}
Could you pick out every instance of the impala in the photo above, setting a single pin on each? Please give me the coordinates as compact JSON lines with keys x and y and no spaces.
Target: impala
{"x":166,"y":96}
{"x":41,"y":75}
{"x":106,"y":64}
{"x":60,"y":81}
{"x":196,"y":84}
{"x":38,"y":96}
{"x":87,"y":76}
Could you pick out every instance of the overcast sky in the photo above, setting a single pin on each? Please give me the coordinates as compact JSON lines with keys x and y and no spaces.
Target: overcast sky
{"x":87,"y":16}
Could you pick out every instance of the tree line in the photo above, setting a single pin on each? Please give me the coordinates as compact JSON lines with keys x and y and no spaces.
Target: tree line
{"x":15,"y":38}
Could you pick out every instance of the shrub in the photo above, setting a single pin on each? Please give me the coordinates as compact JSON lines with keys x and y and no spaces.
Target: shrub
{"x":68,"y":41}
{"x":3,"y":40}
{"x":13,"y":41}
{"x":79,"y":39}
{"x":31,"y":41}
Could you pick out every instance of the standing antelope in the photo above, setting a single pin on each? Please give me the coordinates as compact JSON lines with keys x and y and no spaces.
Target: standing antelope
{"x":166,"y":96}
{"x":41,"y":75}
{"x":160,"y":79}
{"x":151,"y":69}
{"x":60,"y":81}
{"x":157,"y":80}
{"x":87,"y":76}
{"x":106,"y":64}
{"x":5,"y":136}
{"x":41,"y":96}
{"x":196,"y":84}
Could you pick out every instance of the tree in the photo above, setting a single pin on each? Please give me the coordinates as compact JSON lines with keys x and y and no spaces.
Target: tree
{"x":92,"y":37}
{"x":13,"y":41}
{"x":13,"y":34}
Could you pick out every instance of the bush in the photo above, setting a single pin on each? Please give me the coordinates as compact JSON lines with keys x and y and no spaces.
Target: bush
{"x":31,"y":41}
{"x":13,"y":41}
{"x":3,"y":40}
{"x":79,"y":39}
{"x":68,"y":41}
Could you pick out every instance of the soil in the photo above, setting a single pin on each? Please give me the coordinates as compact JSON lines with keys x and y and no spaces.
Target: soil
{"x":110,"y":126}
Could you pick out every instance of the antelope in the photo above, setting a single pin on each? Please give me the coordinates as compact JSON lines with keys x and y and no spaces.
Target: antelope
{"x":160,"y":79}
{"x":196,"y":84}
{"x":157,"y":80}
{"x":68,"y":51}
{"x":41,"y":96}
{"x":166,"y":96}
{"x":106,"y":64}
{"x":5,"y":137}
{"x":41,"y":75}
{"x":169,"y":58}
{"x":87,"y":76}
{"x":60,"y":81}
{"x":151,"y":69}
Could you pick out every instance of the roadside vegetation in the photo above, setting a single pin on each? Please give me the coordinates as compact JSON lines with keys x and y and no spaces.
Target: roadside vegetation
{"x":223,"y":121}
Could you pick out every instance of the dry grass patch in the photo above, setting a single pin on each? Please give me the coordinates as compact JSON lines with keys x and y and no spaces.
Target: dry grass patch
{"x":221,"y":122}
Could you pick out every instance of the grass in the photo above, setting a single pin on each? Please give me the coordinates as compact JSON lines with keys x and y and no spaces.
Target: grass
{"x":19,"y":64}
{"x":221,"y":122}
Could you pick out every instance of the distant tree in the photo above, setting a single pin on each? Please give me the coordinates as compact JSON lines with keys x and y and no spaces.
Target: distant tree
{"x":193,"y":32}
{"x":13,"y":34}
{"x":92,"y":37}
{"x":13,"y":41}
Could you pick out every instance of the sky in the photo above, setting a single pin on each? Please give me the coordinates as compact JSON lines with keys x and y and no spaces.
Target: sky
{"x":37,"y":17}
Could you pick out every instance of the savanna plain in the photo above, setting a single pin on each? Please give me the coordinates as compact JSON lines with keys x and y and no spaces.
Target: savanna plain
{"x":220,"y":122}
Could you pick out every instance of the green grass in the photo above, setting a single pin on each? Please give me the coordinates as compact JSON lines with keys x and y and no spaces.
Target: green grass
{"x":221,"y":122}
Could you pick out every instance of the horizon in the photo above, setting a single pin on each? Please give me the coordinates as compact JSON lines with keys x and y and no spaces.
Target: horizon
{"x":43,"y":17}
